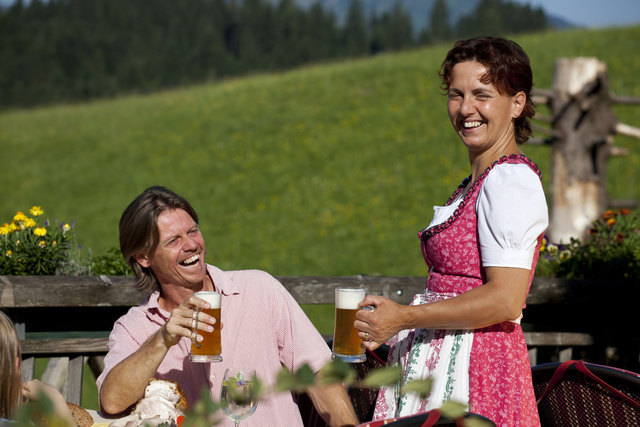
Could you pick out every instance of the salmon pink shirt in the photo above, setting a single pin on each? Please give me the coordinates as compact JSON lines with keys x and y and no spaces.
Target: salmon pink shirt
{"x":264,"y":329}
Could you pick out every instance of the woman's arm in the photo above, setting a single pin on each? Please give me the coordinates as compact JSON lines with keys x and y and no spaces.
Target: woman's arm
{"x":500,"y":299}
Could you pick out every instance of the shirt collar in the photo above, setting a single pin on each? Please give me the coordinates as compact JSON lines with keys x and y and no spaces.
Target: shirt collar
{"x":220,"y":279}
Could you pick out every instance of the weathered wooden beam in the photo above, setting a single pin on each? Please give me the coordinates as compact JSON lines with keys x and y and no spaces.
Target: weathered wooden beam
{"x":623,"y":203}
{"x":625,"y":100}
{"x":557,"y":338}
{"x":627,"y":130}
{"x":304,"y":289}
{"x":53,"y":347}
{"x":68,"y":291}
{"x":320,"y":290}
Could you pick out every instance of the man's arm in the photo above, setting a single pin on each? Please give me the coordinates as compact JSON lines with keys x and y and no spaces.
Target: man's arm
{"x":333,"y":404}
{"x":124,"y":385}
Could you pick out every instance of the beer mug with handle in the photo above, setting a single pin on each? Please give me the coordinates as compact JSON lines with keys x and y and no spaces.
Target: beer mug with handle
{"x":210,"y":348}
{"x":347,"y":345}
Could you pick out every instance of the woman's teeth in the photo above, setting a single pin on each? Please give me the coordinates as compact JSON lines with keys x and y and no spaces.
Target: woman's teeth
{"x":469,"y":125}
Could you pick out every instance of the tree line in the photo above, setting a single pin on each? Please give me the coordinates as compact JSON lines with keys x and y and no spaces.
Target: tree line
{"x":72,"y":50}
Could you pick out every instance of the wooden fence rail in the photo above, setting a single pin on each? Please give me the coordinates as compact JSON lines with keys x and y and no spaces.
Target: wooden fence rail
{"x":560,"y":313}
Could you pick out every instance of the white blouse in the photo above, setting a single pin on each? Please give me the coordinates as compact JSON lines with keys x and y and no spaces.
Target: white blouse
{"x":512,"y":212}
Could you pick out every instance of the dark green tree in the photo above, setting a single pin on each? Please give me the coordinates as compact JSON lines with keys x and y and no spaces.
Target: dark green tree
{"x":354,"y":41}
{"x":400,"y":28}
{"x":439,"y":27}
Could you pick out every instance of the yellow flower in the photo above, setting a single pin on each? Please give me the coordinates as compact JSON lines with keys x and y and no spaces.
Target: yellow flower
{"x":65,"y":227}
{"x":41,"y":243}
{"x":8,"y":253}
{"x":564,"y":255}
{"x":4,"y":229}
{"x":29,"y":222}
{"x":553,"y":249}
{"x":13,"y":227}
{"x":36,"y":211}
{"x":543,"y":246}
{"x":40,"y":231}
{"x":54,"y":243}
{"x":19,"y":216}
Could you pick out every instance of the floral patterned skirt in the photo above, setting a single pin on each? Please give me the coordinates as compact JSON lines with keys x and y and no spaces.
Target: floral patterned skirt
{"x":439,"y":354}
{"x":486,"y":369}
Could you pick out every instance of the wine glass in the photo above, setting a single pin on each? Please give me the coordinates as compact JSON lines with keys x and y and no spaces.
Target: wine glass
{"x":239,"y":394}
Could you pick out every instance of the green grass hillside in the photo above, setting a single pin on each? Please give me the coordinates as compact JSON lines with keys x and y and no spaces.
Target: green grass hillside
{"x":324,"y":170}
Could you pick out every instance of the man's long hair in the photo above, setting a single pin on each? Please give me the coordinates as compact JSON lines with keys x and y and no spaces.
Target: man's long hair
{"x":139,"y":231}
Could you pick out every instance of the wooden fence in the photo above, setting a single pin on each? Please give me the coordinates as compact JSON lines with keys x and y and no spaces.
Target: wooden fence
{"x":561,"y":316}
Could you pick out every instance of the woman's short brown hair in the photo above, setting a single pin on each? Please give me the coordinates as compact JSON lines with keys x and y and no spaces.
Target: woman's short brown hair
{"x":11,"y":383}
{"x":508,"y":69}
{"x":139,"y":231}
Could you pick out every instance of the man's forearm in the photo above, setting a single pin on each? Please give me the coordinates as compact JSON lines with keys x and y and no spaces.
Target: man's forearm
{"x":333,"y":404}
{"x":124,"y":385}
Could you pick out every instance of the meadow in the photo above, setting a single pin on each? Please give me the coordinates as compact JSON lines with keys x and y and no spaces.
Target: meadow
{"x":329,"y":169}
{"x":325,"y":170}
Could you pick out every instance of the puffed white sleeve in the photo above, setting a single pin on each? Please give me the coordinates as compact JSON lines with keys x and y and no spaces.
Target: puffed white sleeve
{"x":512,"y":213}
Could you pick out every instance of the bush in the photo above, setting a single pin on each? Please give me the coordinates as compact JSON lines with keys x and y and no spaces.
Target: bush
{"x":31,"y":246}
{"x":111,"y":264}
{"x":611,"y":250}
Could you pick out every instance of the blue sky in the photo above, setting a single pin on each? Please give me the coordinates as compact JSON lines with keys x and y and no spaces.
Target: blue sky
{"x":592,"y":13}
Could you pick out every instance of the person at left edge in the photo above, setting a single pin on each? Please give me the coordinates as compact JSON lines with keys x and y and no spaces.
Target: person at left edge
{"x":264,"y":328}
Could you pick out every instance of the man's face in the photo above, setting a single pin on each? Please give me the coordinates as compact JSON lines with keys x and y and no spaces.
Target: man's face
{"x":179,"y":258}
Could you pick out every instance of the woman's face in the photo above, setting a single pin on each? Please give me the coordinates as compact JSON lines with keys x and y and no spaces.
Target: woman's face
{"x":480,"y":115}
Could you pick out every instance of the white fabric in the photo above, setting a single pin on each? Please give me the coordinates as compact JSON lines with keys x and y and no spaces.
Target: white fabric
{"x":512,"y":212}
{"x":445,"y":354}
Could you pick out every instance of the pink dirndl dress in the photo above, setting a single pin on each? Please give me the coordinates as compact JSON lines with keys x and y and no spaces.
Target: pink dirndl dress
{"x":487,"y":368}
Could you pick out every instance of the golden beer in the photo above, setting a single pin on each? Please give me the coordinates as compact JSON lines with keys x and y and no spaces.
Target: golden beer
{"x":210,"y":348}
{"x":347,"y":345}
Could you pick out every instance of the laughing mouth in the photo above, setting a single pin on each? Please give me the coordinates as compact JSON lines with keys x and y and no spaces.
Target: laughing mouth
{"x":471,"y":124}
{"x":191,"y":261}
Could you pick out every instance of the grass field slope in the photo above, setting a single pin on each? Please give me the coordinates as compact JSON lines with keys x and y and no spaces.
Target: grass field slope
{"x":325,"y":170}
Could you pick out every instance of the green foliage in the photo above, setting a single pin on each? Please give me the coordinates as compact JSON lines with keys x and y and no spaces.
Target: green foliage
{"x":31,"y":246}
{"x":39,"y":412}
{"x":497,"y":18}
{"x":325,"y":170}
{"x":334,"y":372}
{"x":102,"y":48}
{"x":111,"y":264}
{"x":295,"y":381}
{"x":611,"y":250}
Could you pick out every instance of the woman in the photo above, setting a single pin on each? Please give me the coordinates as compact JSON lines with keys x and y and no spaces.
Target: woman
{"x":481,"y":249}
{"x":12,"y":390}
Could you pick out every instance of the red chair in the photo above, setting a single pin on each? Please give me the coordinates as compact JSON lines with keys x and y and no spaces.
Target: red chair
{"x":576,"y":393}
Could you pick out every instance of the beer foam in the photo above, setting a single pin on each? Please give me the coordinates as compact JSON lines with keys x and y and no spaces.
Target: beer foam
{"x":213,"y":298}
{"x":348,"y":299}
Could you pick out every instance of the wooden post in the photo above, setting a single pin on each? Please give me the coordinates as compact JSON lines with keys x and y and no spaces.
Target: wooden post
{"x":583,"y":125}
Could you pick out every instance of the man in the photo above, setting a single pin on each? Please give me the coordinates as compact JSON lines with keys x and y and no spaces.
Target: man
{"x":264,"y":328}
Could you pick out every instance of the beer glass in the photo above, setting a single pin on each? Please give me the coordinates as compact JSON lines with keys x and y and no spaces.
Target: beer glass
{"x":209,"y":349}
{"x":347,"y":345}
